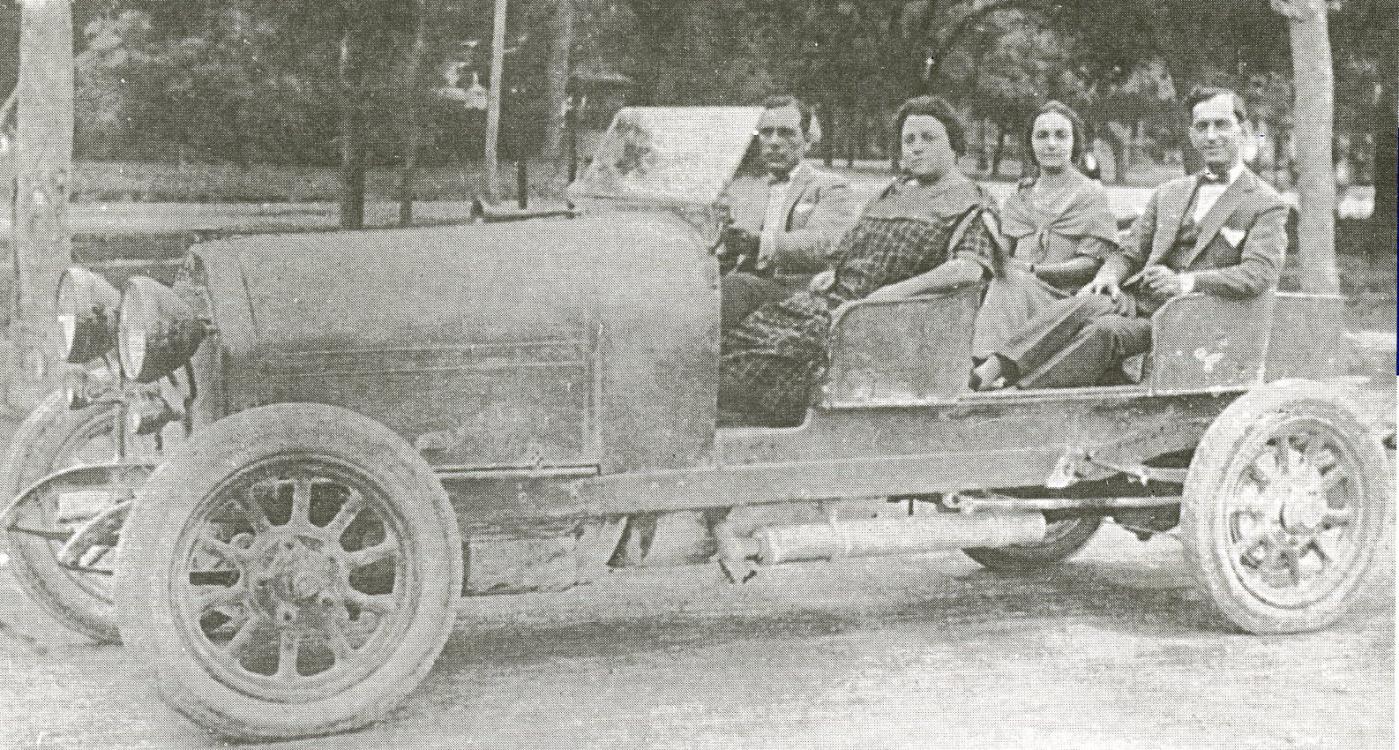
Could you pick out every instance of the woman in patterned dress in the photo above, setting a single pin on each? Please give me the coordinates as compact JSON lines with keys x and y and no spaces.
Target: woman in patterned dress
{"x":1061,"y":227}
{"x":772,"y":361}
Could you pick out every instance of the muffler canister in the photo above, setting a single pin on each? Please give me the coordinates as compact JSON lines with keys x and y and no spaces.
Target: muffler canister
{"x":867,"y":537}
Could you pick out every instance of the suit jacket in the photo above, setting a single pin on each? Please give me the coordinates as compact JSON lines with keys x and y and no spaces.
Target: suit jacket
{"x":1242,"y":242}
{"x":819,"y":208}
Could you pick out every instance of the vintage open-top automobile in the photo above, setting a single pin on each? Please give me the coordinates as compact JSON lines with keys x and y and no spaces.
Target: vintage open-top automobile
{"x":307,"y":449}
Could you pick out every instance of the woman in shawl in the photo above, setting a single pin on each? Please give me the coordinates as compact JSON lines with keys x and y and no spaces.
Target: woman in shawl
{"x":771,"y":362}
{"x":1061,"y":227}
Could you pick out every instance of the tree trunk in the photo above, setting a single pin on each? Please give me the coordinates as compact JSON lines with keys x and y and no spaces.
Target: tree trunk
{"x":351,"y":138}
{"x":1119,"y":153}
{"x":828,"y":136}
{"x":982,"y":162}
{"x":1316,"y":183}
{"x":855,"y":145}
{"x":999,"y":152}
{"x":412,"y":80}
{"x":41,"y":245}
{"x":1383,"y":219}
{"x":559,"y":71}
{"x":1185,"y":66}
{"x":490,"y":186}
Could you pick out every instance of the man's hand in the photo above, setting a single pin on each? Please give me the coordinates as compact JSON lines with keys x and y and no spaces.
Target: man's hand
{"x":739,"y":242}
{"x":1162,"y":281}
{"x":1108,"y":287}
{"x":1101,"y":285}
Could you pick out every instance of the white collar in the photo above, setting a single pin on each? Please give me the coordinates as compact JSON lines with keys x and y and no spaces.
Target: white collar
{"x":792,"y":175}
{"x":1234,"y":172}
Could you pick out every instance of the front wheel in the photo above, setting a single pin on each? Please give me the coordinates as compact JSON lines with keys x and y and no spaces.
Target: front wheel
{"x":1285,"y":506}
{"x":292,"y":572}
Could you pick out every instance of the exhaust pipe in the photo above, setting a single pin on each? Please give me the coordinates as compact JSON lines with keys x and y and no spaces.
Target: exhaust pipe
{"x":867,"y":537}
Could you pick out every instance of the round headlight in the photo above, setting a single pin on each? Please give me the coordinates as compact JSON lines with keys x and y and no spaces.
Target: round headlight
{"x":158,"y":331}
{"x":87,"y":315}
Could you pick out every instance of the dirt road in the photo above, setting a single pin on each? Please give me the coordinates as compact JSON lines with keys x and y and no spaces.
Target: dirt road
{"x":1110,"y":650}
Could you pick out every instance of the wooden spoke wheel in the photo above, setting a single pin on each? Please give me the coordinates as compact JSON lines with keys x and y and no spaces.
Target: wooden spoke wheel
{"x":52,"y":438}
{"x":294,"y":573}
{"x":1285,"y":507}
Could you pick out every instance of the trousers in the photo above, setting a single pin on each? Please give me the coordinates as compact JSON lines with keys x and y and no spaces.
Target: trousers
{"x":1073,"y":342}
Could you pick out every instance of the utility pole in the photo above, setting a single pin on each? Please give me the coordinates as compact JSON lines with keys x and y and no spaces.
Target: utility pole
{"x":43,"y":166}
{"x":491,"y":187}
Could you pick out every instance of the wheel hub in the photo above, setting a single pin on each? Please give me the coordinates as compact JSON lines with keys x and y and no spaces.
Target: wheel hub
{"x":293,"y":578}
{"x":1303,"y":503}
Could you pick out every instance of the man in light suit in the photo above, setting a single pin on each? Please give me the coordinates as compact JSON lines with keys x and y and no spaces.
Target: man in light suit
{"x":1221,"y":232}
{"x":787,"y":217}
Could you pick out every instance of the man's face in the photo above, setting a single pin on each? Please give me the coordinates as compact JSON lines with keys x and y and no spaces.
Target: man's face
{"x":1216,"y":133}
{"x":781,"y":142}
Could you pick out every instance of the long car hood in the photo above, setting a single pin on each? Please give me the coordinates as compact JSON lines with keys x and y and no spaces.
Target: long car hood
{"x":539,"y":342}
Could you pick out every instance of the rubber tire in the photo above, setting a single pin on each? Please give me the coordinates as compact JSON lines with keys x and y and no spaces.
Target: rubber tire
{"x":1027,"y":558}
{"x":33,"y":455}
{"x":1210,"y":468}
{"x":145,"y":558}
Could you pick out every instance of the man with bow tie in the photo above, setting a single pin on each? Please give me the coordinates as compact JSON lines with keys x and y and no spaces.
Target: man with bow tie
{"x":787,"y":217}
{"x":1221,"y":232}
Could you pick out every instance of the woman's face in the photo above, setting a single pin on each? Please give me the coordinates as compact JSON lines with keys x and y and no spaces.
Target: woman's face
{"x":1052,"y":140}
{"x":926,"y":152}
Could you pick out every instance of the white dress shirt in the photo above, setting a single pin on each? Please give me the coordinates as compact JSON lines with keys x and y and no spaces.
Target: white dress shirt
{"x":1206,"y":195}
{"x":774,"y":218}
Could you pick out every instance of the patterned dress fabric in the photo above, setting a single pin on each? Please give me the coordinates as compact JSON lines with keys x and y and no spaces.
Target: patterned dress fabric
{"x":771,"y":363}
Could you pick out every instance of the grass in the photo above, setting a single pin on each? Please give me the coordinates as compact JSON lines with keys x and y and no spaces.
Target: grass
{"x":160,"y":182}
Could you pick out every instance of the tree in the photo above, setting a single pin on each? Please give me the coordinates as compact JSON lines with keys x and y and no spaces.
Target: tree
{"x":560,"y":53}
{"x":1316,"y":185}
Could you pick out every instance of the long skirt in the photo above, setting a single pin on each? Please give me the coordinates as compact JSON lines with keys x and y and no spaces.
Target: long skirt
{"x":1012,"y":299}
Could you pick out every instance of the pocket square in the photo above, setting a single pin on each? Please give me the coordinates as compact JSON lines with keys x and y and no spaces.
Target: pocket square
{"x":1232,"y":236}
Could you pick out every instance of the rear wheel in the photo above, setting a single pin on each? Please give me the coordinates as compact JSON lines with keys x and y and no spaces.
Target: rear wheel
{"x":1061,"y":540}
{"x":1285,"y":506}
{"x":52,"y":438}
{"x":293,"y":572}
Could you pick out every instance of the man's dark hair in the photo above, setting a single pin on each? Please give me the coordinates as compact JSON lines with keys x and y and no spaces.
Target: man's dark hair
{"x":787,"y":100}
{"x":1201,"y":93}
{"x":933,"y":106}
{"x":1080,"y":133}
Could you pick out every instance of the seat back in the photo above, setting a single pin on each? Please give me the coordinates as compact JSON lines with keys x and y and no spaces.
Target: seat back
{"x":897,"y":351}
{"x":1307,"y":339}
{"x":1203,"y":342}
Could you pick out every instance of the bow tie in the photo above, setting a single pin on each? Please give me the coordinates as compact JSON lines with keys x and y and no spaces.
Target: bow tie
{"x":779,"y":180}
{"x":1210,"y":178}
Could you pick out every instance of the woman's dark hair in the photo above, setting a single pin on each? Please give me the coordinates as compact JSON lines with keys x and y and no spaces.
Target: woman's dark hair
{"x":933,"y":106}
{"x":1075,"y":124}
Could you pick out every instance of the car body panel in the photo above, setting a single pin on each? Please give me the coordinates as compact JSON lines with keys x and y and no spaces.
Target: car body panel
{"x":901,"y":351}
{"x":561,"y":342}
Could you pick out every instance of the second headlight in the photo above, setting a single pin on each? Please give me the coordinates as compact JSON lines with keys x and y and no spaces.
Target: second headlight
{"x":87,"y":315}
{"x":158,"y":330}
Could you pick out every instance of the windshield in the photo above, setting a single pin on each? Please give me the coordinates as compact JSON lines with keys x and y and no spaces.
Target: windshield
{"x":669,"y":155}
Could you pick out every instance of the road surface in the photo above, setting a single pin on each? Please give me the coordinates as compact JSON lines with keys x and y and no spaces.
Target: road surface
{"x":1111,"y":650}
